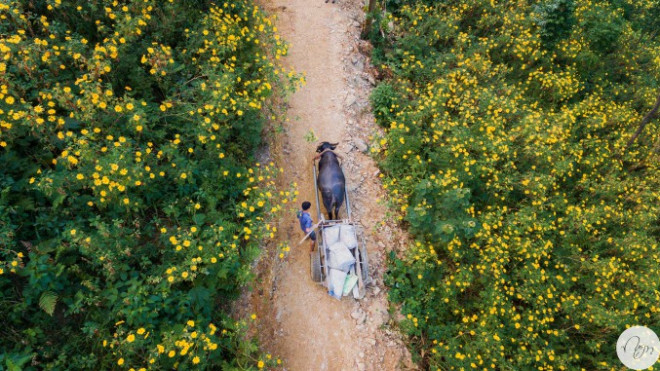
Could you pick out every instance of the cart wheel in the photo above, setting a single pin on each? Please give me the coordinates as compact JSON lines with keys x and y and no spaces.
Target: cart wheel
{"x":315,"y":264}
{"x":364,"y":263}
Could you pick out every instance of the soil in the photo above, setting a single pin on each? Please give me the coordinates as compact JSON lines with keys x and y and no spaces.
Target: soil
{"x":298,"y":321}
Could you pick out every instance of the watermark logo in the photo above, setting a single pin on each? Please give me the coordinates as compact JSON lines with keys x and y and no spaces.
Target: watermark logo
{"x":638,"y":348}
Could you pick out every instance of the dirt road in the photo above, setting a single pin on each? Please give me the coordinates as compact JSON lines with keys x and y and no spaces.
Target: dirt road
{"x":298,"y":321}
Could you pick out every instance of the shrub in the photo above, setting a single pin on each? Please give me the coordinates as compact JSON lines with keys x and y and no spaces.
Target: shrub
{"x":555,"y":20}
{"x":130,"y":204}
{"x":383,"y":100}
{"x":603,"y":28}
{"x":536,"y":231}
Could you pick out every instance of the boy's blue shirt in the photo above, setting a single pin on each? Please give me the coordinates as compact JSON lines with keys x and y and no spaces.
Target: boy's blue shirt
{"x":305,"y":220}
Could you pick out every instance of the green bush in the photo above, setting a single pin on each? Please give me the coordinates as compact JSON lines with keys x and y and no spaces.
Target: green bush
{"x":130,"y":204}
{"x":536,"y":229}
{"x":383,"y":101}
{"x":555,"y":20}
{"x":603,"y":27}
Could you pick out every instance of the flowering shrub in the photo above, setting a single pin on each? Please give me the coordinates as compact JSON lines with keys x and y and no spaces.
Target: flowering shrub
{"x":131,"y":207}
{"x":505,"y":152}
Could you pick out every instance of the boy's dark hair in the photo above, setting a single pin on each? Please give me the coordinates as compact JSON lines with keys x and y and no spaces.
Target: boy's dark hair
{"x":306,"y":205}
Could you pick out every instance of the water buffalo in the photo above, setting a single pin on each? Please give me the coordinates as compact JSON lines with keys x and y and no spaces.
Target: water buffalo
{"x":330,"y":179}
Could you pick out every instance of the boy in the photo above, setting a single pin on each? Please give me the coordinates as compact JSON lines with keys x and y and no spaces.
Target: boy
{"x":306,"y":223}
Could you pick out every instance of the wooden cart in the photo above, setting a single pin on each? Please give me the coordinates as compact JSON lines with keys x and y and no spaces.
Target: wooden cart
{"x":319,"y":268}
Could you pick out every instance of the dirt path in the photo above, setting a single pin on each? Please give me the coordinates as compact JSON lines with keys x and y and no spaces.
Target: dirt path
{"x":298,"y":321}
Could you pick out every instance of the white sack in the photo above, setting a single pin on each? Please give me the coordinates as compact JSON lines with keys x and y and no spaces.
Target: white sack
{"x":340,"y":257}
{"x":336,"y":279}
{"x":348,"y":236}
{"x":331,"y":235}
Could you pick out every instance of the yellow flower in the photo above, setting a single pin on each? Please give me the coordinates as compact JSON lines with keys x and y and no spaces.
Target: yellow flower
{"x":184,"y":275}
{"x":190,"y":323}
{"x":9,"y":100}
{"x":73,"y":232}
{"x":171,"y":354}
{"x":195,"y":360}
{"x":140,"y":331}
{"x":260,"y":364}
{"x":120,"y":361}
{"x":130,"y":338}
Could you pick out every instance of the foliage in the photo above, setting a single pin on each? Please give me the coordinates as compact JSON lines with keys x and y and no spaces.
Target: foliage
{"x":383,"y":96}
{"x":47,"y":302}
{"x":310,"y":136}
{"x":536,"y":229}
{"x":130,"y":204}
{"x":603,"y":28}
{"x":555,"y":20}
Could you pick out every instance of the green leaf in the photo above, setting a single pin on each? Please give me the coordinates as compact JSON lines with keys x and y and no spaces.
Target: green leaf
{"x":199,"y":219}
{"x":59,"y":199}
{"x":222,"y":273}
{"x":48,"y":301}
{"x":11,"y":366}
{"x":16,"y":362}
{"x":200,"y":297}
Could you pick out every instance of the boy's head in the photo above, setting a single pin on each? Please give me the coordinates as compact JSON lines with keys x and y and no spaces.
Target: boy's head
{"x":306,"y":205}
